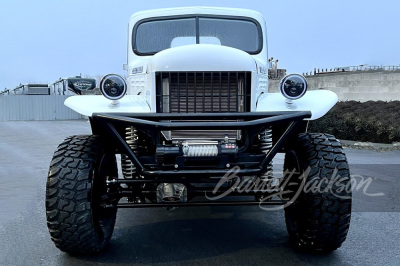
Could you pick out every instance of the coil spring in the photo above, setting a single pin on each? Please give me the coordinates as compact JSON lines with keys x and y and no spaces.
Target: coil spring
{"x":132,"y":138}
{"x":265,"y":147}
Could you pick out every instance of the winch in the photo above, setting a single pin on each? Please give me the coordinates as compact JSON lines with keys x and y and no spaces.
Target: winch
{"x":167,"y":154}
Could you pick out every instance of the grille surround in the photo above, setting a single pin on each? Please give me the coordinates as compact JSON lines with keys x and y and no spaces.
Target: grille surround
{"x":203,"y":92}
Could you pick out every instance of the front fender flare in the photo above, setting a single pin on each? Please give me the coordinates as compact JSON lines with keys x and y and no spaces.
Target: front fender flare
{"x":319,"y":102}
{"x":89,"y":104}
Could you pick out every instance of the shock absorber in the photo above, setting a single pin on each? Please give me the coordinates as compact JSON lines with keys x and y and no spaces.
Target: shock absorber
{"x":265,"y":147}
{"x":132,"y":138}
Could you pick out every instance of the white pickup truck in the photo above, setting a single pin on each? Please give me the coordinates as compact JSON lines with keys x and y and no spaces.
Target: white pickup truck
{"x":192,"y":124}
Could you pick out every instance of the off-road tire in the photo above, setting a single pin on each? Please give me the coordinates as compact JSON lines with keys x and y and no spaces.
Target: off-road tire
{"x":319,"y":219}
{"x":75,"y":185}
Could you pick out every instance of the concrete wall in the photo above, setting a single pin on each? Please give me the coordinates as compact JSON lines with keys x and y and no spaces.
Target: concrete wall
{"x":35,"y":107}
{"x":355,"y":85}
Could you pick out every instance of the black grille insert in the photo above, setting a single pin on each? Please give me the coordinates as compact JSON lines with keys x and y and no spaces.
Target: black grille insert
{"x":203,"y":92}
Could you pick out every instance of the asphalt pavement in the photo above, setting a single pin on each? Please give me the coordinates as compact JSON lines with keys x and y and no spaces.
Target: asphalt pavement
{"x":187,"y":236}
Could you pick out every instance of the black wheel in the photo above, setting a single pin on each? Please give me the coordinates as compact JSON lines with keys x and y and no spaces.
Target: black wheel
{"x":319,"y":218}
{"x":75,"y":189}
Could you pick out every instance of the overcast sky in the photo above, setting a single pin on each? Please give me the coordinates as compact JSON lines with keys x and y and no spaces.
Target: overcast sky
{"x":42,"y":41}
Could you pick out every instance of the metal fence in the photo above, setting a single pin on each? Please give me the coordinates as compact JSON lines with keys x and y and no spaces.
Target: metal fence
{"x":35,"y":107}
{"x":318,"y":71}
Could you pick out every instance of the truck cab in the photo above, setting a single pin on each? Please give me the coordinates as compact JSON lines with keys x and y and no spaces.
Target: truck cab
{"x":197,"y":41}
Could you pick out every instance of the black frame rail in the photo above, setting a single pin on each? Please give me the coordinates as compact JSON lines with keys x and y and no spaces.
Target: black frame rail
{"x":197,"y":204}
{"x":254,"y":122}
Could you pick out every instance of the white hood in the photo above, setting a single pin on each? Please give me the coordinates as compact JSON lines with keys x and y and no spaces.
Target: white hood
{"x":202,"y":57}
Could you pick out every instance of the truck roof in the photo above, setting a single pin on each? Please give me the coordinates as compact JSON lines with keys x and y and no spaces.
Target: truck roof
{"x":197,"y":10}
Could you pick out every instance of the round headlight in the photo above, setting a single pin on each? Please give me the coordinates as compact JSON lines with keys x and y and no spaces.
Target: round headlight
{"x":293,"y":86}
{"x":113,"y":87}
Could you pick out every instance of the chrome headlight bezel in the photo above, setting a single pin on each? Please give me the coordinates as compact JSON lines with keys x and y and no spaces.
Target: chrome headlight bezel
{"x":295,"y":79}
{"x":120,"y":86}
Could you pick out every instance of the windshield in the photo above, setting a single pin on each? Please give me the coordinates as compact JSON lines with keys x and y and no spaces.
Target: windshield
{"x":152,"y":36}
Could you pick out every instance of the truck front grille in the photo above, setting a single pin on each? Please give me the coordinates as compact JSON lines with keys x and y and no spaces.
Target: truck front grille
{"x":203,"y":92}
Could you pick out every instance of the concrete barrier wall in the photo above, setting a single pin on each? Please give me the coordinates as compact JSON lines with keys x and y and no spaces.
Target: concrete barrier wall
{"x":360,"y":85}
{"x":35,"y":107}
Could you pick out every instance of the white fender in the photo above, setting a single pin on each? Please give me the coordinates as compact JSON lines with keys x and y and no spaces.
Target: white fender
{"x":319,"y":102}
{"x":89,"y":104}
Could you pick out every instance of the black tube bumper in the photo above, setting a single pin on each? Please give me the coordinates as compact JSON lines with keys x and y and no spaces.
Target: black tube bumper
{"x":253,"y":123}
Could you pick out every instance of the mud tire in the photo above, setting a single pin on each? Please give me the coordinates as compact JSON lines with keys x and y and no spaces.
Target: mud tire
{"x":319,"y":219}
{"x":75,"y":185}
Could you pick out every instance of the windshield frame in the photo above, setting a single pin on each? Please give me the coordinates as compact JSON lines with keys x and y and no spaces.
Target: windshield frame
{"x":197,"y":18}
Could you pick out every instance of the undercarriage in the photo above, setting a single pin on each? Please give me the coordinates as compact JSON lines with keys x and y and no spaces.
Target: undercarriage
{"x":161,"y":168}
